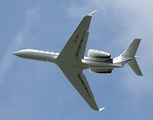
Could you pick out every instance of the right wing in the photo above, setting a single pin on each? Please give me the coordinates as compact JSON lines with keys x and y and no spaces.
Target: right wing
{"x":79,"y":81}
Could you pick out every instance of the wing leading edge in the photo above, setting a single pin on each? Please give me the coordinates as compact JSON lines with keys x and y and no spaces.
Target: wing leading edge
{"x":71,"y":54}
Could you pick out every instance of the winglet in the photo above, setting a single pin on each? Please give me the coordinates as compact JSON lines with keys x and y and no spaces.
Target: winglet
{"x":101,"y":109}
{"x":92,"y":13}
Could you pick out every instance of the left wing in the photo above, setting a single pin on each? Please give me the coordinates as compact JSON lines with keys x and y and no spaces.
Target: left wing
{"x":76,"y":45}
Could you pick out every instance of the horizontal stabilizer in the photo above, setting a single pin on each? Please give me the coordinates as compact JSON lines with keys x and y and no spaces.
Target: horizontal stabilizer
{"x":134,"y":65}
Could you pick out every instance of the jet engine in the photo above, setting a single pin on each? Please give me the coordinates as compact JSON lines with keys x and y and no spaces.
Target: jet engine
{"x":96,"y":70}
{"x":98,"y":54}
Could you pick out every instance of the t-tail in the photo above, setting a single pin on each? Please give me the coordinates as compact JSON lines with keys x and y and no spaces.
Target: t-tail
{"x":128,"y":56}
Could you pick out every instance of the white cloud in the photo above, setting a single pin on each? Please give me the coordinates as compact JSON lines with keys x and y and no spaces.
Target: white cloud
{"x":32,"y":18}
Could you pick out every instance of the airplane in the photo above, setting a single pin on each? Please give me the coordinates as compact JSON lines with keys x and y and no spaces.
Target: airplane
{"x":72,"y":62}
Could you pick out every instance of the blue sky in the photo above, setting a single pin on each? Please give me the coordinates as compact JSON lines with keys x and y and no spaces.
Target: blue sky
{"x":38,"y":90}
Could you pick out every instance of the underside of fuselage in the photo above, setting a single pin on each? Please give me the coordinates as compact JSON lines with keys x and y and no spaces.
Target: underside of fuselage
{"x":85,"y":63}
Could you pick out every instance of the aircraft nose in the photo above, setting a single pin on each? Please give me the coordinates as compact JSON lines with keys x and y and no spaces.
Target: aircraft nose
{"x":16,"y":53}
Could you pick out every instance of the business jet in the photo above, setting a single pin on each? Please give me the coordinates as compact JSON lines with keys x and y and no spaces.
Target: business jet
{"x":72,"y":62}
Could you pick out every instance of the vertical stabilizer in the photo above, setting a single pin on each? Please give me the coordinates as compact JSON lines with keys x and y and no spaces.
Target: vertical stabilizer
{"x":132,"y":49}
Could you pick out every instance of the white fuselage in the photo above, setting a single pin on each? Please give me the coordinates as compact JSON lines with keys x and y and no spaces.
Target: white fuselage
{"x":51,"y":57}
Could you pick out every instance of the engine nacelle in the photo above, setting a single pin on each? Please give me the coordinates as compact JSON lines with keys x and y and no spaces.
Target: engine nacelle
{"x":96,"y":70}
{"x":98,"y":54}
